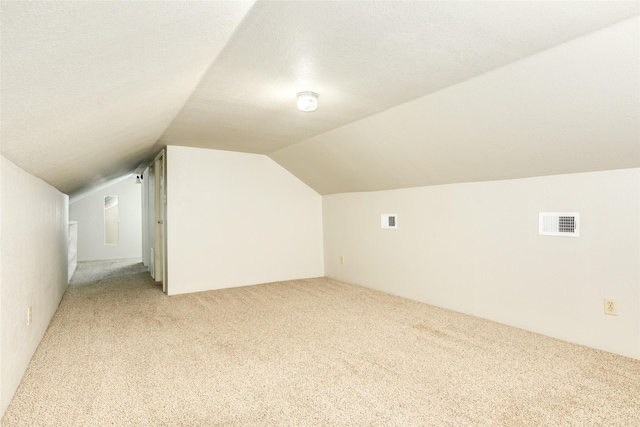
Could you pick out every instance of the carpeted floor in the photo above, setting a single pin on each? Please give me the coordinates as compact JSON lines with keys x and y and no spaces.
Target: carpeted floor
{"x":93,"y":271}
{"x":311,"y":352}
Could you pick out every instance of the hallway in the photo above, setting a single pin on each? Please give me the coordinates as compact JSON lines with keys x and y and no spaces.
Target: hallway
{"x":94,"y":272}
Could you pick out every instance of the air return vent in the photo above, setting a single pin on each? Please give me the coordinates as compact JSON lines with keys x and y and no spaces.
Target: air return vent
{"x":559,"y":224}
{"x":389,"y":221}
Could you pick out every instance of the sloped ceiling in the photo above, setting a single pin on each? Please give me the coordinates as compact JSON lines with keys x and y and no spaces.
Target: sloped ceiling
{"x":88,"y":87}
{"x":411,"y":93}
{"x":573,"y":108}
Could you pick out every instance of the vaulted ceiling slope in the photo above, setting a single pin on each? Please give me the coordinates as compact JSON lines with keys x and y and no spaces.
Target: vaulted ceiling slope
{"x":89,"y":87}
{"x":411,"y":93}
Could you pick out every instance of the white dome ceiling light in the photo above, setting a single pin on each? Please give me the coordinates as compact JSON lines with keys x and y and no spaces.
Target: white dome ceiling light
{"x":307,"y":101}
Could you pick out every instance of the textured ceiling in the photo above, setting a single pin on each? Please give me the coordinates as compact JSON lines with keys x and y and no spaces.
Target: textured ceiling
{"x":411,"y":93}
{"x":88,"y":87}
{"x":573,"y":108}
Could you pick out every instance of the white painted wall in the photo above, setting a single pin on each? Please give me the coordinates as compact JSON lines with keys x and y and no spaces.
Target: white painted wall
{"x":475,"y":248}
{"x":238,"y":219}
{"x":89,"y":212}
{"x":3,"y":405}
{"x":33,"y":268}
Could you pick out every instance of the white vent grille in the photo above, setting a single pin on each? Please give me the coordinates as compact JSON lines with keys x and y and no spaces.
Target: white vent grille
{"x":559,"y":224}
{"x":389,"y":221}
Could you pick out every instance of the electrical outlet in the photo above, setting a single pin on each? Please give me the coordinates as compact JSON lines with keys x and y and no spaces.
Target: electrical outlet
{"x":29,"y":315}
{"x":610,"y":306}
{"x":341,"y":259}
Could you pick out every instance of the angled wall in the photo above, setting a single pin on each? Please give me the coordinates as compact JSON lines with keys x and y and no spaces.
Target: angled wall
{"x":237,"y":219}
{"x":475,"y":248}
{"x":33,"y":268}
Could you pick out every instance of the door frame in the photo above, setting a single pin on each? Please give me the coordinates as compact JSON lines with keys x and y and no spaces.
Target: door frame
{"x":160,"y":251}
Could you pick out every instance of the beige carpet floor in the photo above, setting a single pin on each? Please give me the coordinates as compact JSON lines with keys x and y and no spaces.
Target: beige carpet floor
{"x":303,"y":353}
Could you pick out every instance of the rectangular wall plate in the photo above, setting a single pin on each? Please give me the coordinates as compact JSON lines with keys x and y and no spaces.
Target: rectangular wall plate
{"x":565,"y":224}
{"x":389,"y":221}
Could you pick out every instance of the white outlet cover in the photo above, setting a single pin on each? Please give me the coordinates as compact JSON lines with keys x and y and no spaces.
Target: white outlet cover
{"x":610,"y":307}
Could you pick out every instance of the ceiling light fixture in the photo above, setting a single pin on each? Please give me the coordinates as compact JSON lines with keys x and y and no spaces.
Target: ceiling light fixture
{"x":307,"y":101}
